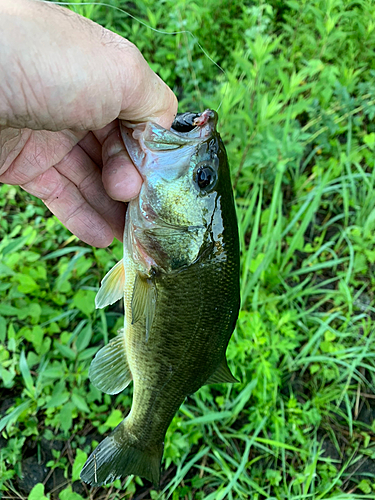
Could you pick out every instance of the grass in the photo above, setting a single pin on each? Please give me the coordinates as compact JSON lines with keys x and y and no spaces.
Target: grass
{"x":296,"y":113}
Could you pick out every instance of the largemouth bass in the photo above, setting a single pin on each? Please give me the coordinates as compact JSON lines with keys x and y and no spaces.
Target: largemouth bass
{"x":180,"y":281}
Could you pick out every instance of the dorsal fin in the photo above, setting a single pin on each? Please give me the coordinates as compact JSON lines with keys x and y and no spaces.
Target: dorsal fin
{"x":112,"y":286}
{"x":109,"y":370}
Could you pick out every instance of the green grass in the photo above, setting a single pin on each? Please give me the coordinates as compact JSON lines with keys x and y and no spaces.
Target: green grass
{"x":296,"y":113}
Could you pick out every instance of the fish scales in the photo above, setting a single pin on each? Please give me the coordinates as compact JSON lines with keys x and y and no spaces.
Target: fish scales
{"x":180,"y":282}
{"x":174,"y":352}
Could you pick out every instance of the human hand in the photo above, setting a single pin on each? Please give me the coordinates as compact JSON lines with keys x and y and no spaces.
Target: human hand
{"x":65,"y":84}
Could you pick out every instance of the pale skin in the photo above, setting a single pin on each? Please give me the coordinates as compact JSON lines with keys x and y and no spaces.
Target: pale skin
{"x":65,"y":82}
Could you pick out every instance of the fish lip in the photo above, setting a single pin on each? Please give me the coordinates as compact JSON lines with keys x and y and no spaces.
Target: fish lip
{"x":208,"y":116}
{"x":184,"y":123}
{"x":205,"y":125}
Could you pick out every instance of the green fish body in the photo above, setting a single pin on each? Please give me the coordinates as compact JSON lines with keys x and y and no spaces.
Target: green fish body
{"x":180,"y":282}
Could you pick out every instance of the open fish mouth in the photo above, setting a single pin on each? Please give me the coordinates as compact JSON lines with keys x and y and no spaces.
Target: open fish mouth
{"x":187,"y":129}
{"x":186,"y":122}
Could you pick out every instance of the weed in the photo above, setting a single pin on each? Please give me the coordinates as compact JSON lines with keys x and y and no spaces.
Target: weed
{"x":297,"y":109}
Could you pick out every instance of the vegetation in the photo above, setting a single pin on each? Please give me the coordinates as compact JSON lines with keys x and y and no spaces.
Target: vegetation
{"x":297,"y":115}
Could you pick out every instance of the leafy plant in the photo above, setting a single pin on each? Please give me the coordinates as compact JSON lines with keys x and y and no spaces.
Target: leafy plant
{"x":296,"y":113}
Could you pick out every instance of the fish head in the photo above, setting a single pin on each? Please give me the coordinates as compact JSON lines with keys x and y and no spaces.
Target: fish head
{"x":185,"y":176}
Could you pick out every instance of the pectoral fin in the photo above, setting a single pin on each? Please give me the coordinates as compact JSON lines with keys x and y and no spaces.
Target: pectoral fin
{"x":112,"y":286}
{"x":222,"y":375}
{"x":109,"y":370}
{"x":144,"y":301}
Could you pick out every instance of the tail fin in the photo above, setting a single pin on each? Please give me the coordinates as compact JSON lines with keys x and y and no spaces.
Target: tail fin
{"x":121,"y":454}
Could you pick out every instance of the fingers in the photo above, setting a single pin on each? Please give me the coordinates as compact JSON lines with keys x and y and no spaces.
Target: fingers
{"x":92,"y":148}
{"x":78,"y":167}
{"x":74,"y":192}
{"x":65,"y":201}
{"x":33,"y":152}
{"x":121,"y":179}
{"x":77,"y":176}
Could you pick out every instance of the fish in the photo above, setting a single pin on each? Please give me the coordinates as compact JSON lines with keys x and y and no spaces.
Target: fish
{"x":179,"y":278}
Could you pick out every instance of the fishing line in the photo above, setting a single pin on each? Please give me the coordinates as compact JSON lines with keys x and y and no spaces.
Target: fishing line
{"x":186,"y":32}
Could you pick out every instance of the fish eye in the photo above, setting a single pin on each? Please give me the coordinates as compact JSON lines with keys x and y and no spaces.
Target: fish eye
{"x":205,"y":177}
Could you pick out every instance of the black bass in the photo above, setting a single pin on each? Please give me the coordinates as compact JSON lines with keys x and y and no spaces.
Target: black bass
{"x":180,"y":281}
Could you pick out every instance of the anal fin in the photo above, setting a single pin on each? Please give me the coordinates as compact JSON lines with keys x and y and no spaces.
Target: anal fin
{"x":109,"y":370}
{"x":222,"y":375}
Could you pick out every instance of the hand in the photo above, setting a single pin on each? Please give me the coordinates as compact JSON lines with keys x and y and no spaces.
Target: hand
{"x":65,"y":84}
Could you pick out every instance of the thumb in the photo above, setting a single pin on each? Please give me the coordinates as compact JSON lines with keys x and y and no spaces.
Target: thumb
{"x":145,"y":96}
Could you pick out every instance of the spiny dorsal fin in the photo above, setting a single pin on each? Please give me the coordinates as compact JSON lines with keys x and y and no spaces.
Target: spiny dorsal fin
{"x":109,"y":370}
{"x":144,"y":301}
{"x":112,"y":286}
{"x":222,"y":375}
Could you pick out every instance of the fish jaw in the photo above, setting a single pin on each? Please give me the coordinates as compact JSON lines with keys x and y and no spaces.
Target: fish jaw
{"x":151,"y":146}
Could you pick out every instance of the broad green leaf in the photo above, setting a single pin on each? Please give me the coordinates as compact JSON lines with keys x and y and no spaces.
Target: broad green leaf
{"x":11,"y":332}
{"x":13,"y":415}
{"x":79,"y":462}
{"x":365,"y":486}
{"x":88,"y":353}
{"x":58,"y":400}
{"x":53,"y":372}
{"x":15,"y":245}
{"x":26,"y":283}
{"x":32,"y":256}
{"x":66,"y":416}
{"x":33,"y":310}
{"x":369,"y":139}
{"x":84,"y":300}
{"x":37,"y":493}
{"x":114,"y":418}
{"x":34,"y":335}
{"x":7,"y":310}
{"x":5,"y":270}
{"x":80,"y":403}
{"x":59,"y":395}
{"x":7,"y":376}
{"x":68,"y":494}
{"x":66,"y":351}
